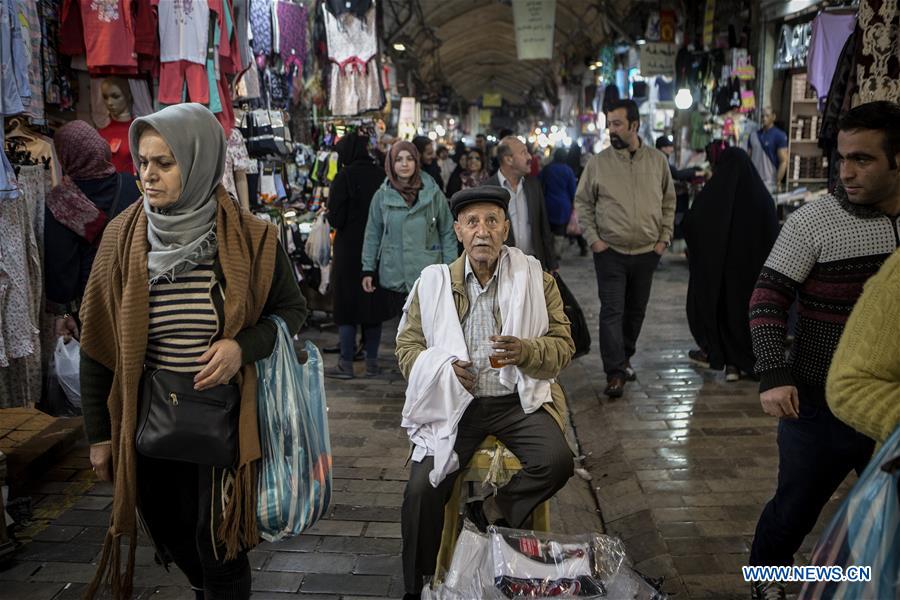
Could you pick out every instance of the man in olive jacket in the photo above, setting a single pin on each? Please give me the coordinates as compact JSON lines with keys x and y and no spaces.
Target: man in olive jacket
{"x":536,"y":438}
{"x":626,"y":205}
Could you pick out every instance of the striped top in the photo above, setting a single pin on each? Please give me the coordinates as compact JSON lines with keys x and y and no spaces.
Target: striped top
{"x":183,"y":320}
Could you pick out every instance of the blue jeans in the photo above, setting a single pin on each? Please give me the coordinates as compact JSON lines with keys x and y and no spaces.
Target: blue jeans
{"x":371,"y":335}
{"x":815,"y":454}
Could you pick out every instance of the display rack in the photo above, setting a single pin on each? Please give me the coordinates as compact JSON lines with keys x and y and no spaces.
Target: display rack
{"x":806,"y":167}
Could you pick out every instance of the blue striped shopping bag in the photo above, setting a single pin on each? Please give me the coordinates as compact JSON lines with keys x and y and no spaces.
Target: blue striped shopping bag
{"x":864,"y":532}
{"x":295,"y":470}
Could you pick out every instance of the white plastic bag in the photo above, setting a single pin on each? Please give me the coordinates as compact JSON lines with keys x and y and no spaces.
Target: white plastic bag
{"x":67,"y":359}
{"x":318,"y":245}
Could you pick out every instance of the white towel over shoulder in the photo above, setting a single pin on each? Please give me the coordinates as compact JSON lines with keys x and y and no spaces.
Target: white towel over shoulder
{"x":435,"y":399}
{"x":523,"y":312}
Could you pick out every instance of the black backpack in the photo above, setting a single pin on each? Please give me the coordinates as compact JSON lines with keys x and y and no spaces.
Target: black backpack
{"x":580,"y":333}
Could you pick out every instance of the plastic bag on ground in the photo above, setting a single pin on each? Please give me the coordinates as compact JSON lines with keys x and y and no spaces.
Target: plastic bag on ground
{"x":67,"y":360}
{"x":513,"y":563}
{"x":295,"y":470}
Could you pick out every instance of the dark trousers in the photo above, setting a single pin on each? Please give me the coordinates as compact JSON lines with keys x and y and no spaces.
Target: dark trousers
{"x":371,"y":336}
{"x":623,"y":284}
{"x":175,"y":500}
{"x":535,"y":439}
{"x":815,"y":454}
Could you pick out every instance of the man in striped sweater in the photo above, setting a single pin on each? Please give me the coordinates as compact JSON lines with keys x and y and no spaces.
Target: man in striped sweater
{"x":825,"y":253}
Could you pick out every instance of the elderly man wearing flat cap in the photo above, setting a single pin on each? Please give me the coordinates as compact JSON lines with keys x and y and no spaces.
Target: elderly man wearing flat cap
{"x":481,"y":343}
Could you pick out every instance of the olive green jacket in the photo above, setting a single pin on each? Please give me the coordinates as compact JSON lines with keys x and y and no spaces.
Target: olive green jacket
{"x":543,"y":358}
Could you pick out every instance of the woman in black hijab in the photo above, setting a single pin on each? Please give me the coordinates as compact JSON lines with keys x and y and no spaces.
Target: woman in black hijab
{"x":573,"y":159}
{"x":729,"y":231}
{"x":348,"y":210}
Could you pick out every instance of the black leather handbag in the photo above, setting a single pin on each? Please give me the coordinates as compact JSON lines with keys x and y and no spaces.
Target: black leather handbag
{"x":177,"y":422}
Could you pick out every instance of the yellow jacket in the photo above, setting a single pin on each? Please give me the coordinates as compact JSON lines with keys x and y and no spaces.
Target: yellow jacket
{"x":543,"y":358}
{"x":864,"y":381}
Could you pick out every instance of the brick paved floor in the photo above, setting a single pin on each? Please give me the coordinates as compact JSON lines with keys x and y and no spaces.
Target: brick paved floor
{"x":680,"y":467}
{"x":683,"y":463}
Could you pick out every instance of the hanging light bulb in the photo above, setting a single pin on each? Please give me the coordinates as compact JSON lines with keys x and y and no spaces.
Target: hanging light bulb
{"x":683,"y":99}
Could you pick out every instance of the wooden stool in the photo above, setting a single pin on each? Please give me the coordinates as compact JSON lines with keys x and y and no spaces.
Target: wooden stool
{"x":476,"y":472}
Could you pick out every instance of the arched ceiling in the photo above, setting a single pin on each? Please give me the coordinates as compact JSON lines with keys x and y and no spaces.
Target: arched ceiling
{"x":471,"y":44}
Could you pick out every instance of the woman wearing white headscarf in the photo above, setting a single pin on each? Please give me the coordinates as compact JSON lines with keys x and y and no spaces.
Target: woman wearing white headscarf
{"x":182,"y":282}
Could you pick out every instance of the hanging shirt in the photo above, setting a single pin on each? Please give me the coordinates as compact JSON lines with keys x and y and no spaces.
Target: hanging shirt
{"x":183,"y":30}
{"x":31,"y":35}
{"x":108,"y":29}
{"x":236,"y":159}
{"x":242,"y":29}
{"x":15,"y":91}
{"x":261,"y":27}
{"x":518,"y":214}
{"x":829,"y":34}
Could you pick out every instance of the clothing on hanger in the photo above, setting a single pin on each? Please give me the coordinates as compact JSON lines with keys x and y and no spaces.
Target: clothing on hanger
{"x":103,"y":30}
{"x":829,"y":34}
{"x":357,"y":8}
{"x":352,"y":50}
{"x":15,"y":90}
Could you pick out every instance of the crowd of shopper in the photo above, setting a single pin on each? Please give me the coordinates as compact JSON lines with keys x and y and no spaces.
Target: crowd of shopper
{"x":174,"y":287}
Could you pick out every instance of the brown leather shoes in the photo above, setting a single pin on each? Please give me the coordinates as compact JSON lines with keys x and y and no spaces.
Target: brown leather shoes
{"x":615,"y":386}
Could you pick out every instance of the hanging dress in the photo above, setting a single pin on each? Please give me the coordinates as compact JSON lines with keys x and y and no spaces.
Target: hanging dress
{"x":352,"y":50}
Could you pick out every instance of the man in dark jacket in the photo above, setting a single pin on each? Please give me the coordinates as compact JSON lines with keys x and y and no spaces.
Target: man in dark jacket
{"x":559,"y":184}
{"x":530,"y":231}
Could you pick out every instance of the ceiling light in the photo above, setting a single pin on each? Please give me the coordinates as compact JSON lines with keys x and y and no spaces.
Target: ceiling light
{"x":592,"y":66}
{"x":399,"y":47}
{"x":684,"y":99}
{"x":640,"y":41}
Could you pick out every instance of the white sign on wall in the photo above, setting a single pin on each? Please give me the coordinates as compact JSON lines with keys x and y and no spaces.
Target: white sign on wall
{"x":658,"y":59}
{"x":534,"y":21}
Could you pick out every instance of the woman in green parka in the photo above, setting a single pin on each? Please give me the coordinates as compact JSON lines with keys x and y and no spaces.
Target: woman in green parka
{"x":409,"y":227}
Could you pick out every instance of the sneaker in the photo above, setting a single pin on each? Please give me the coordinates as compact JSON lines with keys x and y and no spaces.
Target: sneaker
{"x":699,"y":358}
{"x":373,"y":370}
{"x":732,"y":373}
{"x":767,"y":590}
{"x":630,"y":373}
